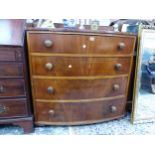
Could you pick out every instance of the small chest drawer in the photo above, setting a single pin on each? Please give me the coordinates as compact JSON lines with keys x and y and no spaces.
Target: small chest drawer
{"x":80,"y":44}
{"x":13,"y":108}
{"x":79,"y":66}
{"x":11,"y":70}
{"x":79,"y":89}
{"x":10,"y":54}
{"x":12,"y":88}
{"x":80,"y":112}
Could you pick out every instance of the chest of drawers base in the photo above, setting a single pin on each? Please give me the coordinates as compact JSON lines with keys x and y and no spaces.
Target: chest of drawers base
{"x":41,"y":123}
{"x":79,"y":78}
{"x":25,"y":123}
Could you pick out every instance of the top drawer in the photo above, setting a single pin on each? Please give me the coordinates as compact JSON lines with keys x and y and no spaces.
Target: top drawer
{"x":10,"y":54}
{"x":80,"y":43}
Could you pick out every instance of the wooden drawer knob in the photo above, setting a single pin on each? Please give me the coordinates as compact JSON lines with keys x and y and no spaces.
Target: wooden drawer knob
{"x":1,"y":89}
{"x":49,"y":66}
{"x":51,"y":112}
{"x":113,"y":108}
{"x":118,"y":66}
{"x":48,"y":43}
{"x":121,"y":45}
{"x":50,"y":90}
{"x":116,"y":87}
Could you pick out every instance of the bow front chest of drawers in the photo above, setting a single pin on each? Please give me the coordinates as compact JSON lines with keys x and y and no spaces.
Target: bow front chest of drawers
{"x":79,"y":77}
{"x":14,"y":94}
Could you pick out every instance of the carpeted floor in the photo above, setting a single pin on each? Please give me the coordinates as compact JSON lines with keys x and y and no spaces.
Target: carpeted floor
{"x":116,"y":127}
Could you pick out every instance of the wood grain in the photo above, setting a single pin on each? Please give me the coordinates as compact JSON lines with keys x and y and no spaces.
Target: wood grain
{"x":12,"y":88}
{"x":11,"y":70}
{"x":79,"y":89}
{"x":13,"y":108}
{"x":79,"y":44}
{"x":81,"y":66}
{"x":73,"y":113}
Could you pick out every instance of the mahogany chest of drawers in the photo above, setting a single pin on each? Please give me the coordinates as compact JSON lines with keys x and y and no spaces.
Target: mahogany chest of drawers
{"x":79,"y":77}
{"x":14,"y":93}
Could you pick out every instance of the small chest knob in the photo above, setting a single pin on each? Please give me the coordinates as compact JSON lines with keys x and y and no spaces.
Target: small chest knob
{"x":118,"y":66}
{"x":51,"y":112}
{"x":116,"y":87}
{"x":48,"y":43}
{"x":49,"y":66}
{"x":50,"y":90}
{"x":113,"y":108}
{"x":121,"y":46}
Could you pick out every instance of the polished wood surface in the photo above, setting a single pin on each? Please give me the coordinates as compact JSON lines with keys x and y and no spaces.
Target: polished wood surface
{"x":79,"y":77}
{"x":78,"y":66}
{"x":83,"y":44}
{"x":75,"y":113}
{"x":13,"y":108}
{"x":14,"y":91}
{"x":12,"y":32}
{"x":11,"y":70}
{"x":78,"y":89}
{"x":10,"y":54}
{"x":12,"y":88}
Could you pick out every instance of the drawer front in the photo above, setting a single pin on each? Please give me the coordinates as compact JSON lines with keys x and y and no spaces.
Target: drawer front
{"x":12,"y":88}
{"x":79,"y":112}
{"x":79,"y":89}
{"x":82,"y":44}
{"x":10,"y":54}
{"x":79,"y":66}
{"x":11,"y":70}
{"x":13,"y":108}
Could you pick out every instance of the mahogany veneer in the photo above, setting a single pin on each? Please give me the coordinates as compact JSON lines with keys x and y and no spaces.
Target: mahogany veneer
{"x":79,"y":77}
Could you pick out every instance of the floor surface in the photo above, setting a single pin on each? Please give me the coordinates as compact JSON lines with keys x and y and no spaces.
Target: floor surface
{"x":116,"y":127}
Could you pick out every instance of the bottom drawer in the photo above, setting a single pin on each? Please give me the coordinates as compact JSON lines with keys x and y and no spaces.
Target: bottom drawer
{"x":13,"y":108}
{"x":78,"y":113}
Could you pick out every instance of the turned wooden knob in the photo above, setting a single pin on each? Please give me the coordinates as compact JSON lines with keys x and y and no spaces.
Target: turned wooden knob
{"x":49,"y":66}
{"x":48,"y":43}
{"x":116,"y":87}
{"x":50,"y":90}
{"x":113,"y":108}
{"x":121,"y":45}
{"x":118,"y":66}
{"x":51,"y":112}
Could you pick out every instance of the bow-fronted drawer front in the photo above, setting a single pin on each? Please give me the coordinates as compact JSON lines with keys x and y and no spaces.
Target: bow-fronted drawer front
{"x":64,"y":89}
{"x":79,"y":112}
{"x":49,"y":42}
{"x":79,"y":66}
